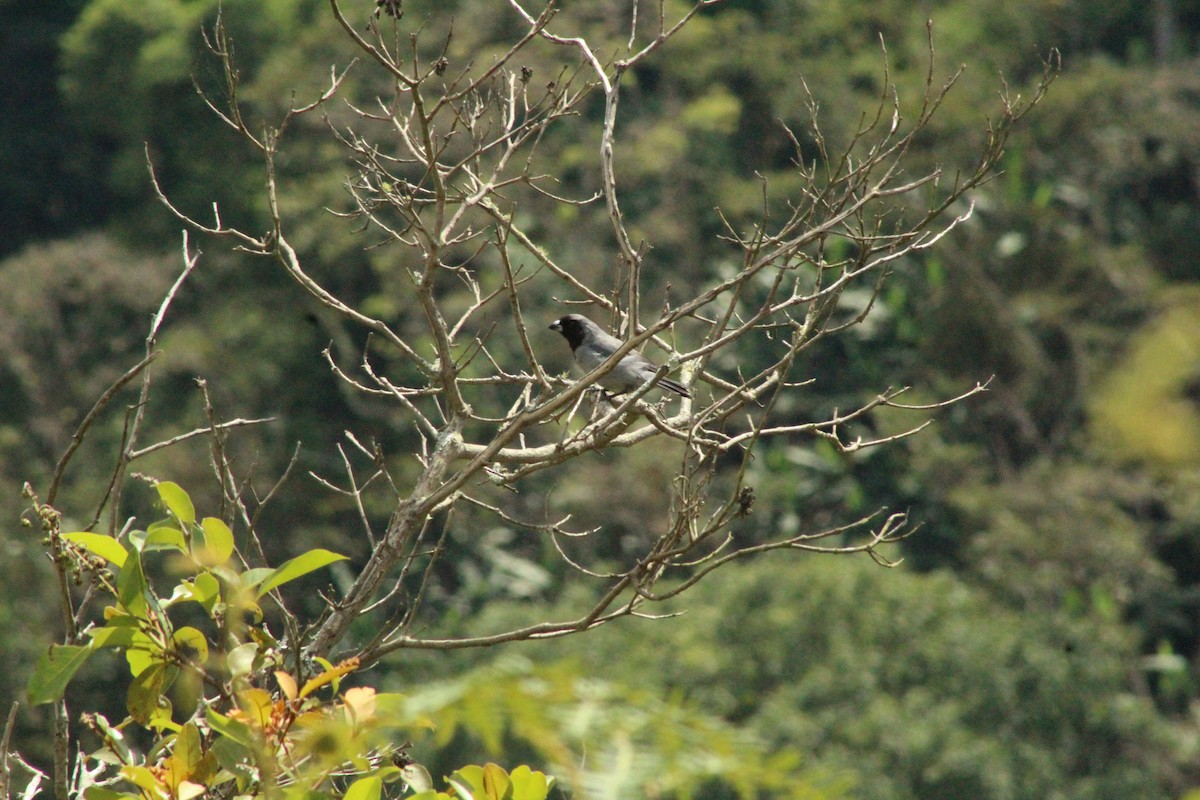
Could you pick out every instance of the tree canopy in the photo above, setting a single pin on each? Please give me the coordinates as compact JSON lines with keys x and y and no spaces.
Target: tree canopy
{"x":1036,"y":635}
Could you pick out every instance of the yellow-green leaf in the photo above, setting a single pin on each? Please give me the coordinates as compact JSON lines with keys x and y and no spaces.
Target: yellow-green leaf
{"x":145,"y":692}
{"x":496,"y":785}
{"x":205,"y":590}
{"x":529,"y":784}
{"x":218,"y":540}
{"x":258,"y":706}
{"x":189,"y":790}
{"x":94,"y":792}
{"x":240,"y":660}
{"x":193,"y":639}
{"x":234,"y":730}
{"x":141,"y":777}
{"x":300,"y":565}
{"x":177,"y":501}
{"x":368,"y":788}
{"x":117,"y":632}
{"x":255,"y":575}
{"x":131,"y":586}
{"x":161,"y":716}
{"x":164,"y":537}
{"x":287,"y":684}
{"x":98,"y":544}
{"x":468,"y":781}
{"x":332,"y":674}
{"x":141,"y":653}
{"x":187,"y":752}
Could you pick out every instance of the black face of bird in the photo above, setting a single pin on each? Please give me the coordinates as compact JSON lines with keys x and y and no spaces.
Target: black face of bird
{"x":571,"y":327}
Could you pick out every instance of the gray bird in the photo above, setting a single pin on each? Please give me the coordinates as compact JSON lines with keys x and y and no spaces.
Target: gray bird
{"x":591,"y":346}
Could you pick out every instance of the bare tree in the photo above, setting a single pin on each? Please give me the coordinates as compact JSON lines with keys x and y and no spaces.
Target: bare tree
{"x":443,"y":166}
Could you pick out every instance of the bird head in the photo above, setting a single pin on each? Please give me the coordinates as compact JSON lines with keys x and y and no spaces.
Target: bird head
{"x":573,"y":327}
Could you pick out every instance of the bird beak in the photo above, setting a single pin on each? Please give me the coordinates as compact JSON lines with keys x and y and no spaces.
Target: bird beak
{"x":555,"y":326}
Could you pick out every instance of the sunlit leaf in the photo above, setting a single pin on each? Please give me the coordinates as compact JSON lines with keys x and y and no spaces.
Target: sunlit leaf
{"x":143,"y":778}
{"x":240,"y":660}
{"x":98,"y":544}
{"x":360,"y":701}
{"x":496,"y":785}
{"x":94,"y":792}
{"x":142,"y":652}
{"x":192,"y":638}
{"x":257,"y":705}
{"x":300,"y":565}
{"x":118,"y":632}
{"x":145,"y":692}
{"x":188,"y":790}
{"x":255,"y":576}
{"x":287,"y":684}
{"x":529,"y":784}
{"x":161,"y":715}
{"x":218,"y":540}
{"x":164,"y":537}
{"x":188,"y":750}
{"x":331,"y":674}
{"x":113,"y":738}
{"x":54,"y":671}
{"x":232,"y":729}
{"x":177,"y":501}
{"x":205,"y":590}
{"x":368,"y":788}
{"x":468,"y":781}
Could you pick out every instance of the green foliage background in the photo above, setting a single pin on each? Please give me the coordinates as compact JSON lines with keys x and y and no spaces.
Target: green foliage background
{"x":1040,"y":639}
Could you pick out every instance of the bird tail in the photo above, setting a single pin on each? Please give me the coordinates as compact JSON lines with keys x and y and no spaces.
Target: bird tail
{"x":677,"y":388}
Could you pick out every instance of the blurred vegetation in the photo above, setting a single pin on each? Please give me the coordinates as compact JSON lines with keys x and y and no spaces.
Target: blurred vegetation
{"x":1040,"y":638}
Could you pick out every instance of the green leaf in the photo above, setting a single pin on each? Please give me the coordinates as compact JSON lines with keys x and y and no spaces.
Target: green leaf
{"x":164,"y":537}
{"x":54,"y":671}
{"x":255,"y":576}
{"x":178,"y":502}
{"x":132,"y":586}
{"x":161,"y":715}
{"x":234,"y":757}
{"x":240,"y":660}
{"x":145,"y":691}
{"x":232,"y":730}
{"x":205,"y":590}
{"x":300,"y":565}
{"x":193,"y":639}
{"x":141,"y":777}
{"x":189,"y":790}
{"x":98,"y":544}
{"x":142,"y":652}
{"x":468,"y":781}
{"x":119,"y":632}
{"x":218,"y":539}
{"x":94,"y":792}
{"x":496,"y":785}
{"x":114,"y":741}
{"x":529,"y":784}
{"x":187,"y":752}
{"x":368,"y":788}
